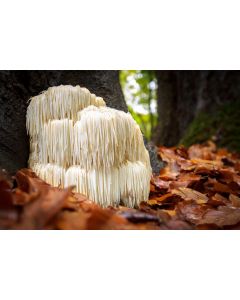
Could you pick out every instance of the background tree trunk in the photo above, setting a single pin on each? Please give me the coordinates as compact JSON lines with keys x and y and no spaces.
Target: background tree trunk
{"x":183,"y":94}
{"x":16,"y":87}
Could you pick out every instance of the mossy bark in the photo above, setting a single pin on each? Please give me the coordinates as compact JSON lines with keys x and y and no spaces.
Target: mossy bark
{"x":183,"y":95}
{"x":223,"y":127}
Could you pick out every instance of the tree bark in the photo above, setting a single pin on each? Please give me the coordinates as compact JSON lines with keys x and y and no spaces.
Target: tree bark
{"x":16,"y":87}
{"x":183,"y":94}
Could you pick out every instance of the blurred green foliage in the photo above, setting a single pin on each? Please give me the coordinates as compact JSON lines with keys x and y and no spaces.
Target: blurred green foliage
{"x":222,"y":125}
{"x":140,"y":91}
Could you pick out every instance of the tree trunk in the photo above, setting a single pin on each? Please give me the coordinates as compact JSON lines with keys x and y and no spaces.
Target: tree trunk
{"x":183,"y":94}
{"x":16,"y":87}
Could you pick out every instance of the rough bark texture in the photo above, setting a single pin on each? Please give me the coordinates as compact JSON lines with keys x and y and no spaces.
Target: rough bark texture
{"x":16,"y":87}
{"x":183,"y":94}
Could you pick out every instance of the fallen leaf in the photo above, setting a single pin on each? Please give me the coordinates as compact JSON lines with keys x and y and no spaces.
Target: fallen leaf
{"x":198,"y":188}
{"x":135,"y":216}
{"x":235,"y":200}
{"x":190,"y":194}
{"x":191,"y":211}
{"x":161,"y":184}
{"x":218,"y":200}
{"x":167,"y":198}
{"x":38,"y":213}
{"x":223,"y":216}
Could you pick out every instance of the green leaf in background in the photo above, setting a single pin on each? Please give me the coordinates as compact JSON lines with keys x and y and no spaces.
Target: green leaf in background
{"x":139,"y":88}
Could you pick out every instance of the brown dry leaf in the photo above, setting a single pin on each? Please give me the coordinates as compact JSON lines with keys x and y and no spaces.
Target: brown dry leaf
{"x":237,"y":166}
{"x":28,"y":181}
{"x":70,"y":220}
{"x":190,"y":211}
{"x":223,"y":216}
{"x":170,"y":172}
{"x":227,"y":175}
{"x":206,"y":151}
{"x":207,"y":164}
{"x":38,"y":213}
{"x":8,"y":212}
{"x":221,"y":188}
{"x":167,"y":154}
{"x":236,"y":178}
{"x":6,"y":195}
{"x":190,"y":194}
{"x":176,"y":224}
{"x":184,"y":180}
{"x":169,"y":197}
{"x":161,"y":184}
{"x":218,"y":200}
{"x":182,"y":152}
{"x":186,"y":165}
{"x":235,"y":200}
{"x":199,"y":188}
{"x":75,"y":200}
{"x":136,"y":216}
{"x":46,"y":202}
{"x":91,"y":216}
{"x":22,"y":198}
{"x":106,"y":219}
{"x":171,"y":212}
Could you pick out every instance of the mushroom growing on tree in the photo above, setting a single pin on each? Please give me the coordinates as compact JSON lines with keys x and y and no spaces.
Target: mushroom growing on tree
{"x":76,"y":140}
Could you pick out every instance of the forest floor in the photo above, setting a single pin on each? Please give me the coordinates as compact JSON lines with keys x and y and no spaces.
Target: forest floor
{"x":199,"y":188}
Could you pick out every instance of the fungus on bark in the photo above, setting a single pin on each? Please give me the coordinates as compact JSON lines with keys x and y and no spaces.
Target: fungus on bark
{"x":76,"y":140}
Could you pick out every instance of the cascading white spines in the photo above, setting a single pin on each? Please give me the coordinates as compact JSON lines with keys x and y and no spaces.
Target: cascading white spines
{"x":76,"y":140}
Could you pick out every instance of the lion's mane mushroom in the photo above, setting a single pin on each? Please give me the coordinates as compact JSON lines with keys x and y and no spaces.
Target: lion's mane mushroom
{"x":76,"y":140}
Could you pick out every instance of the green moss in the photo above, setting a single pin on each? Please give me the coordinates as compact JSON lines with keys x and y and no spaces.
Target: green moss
{"x":222,"y":125}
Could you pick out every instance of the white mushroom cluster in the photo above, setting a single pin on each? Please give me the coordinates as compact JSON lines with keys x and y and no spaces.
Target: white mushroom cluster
{"x":76,"y":140}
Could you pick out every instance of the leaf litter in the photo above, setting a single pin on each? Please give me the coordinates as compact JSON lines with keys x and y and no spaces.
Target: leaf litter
{"x":199,"y":188}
